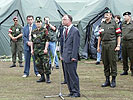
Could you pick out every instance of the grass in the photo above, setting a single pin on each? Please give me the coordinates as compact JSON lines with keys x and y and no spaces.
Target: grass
{"x":14,"y":87}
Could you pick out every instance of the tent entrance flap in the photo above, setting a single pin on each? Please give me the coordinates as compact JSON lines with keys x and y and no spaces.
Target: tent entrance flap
{"x":90,"y":48}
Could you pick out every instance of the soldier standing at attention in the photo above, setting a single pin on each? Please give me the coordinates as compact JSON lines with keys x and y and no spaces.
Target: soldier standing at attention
{"x":39,"y":49}
{"x":110,"y":35}
{"x":127,"y":43}
{"x":15,"y":33}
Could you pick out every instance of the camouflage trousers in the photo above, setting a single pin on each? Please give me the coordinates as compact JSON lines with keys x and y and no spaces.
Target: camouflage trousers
{"x":42,"y":62}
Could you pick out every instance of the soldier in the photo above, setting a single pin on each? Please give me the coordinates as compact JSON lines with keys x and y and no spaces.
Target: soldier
{"x":110,"y":35}
{"x":40,"y":40}
{"x":15,"y":33}
{"x":127,"y":43}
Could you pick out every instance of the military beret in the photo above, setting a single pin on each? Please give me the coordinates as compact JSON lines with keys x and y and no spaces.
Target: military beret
{"x":38,"y":19}
{"x":126,"y":13}
{"x":15,"y":17}
{"x":108,"y":11}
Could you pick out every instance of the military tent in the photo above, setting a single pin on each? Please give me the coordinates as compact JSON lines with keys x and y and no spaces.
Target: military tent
{"x":86,"y":13}
{"x":90,"y":16}
{"x":22,"y":8}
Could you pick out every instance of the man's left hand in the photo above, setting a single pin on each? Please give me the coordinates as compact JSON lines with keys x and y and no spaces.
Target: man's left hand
{"x":73,"y":59}
{"x":117,"y":48}
{"x":45,"y":51}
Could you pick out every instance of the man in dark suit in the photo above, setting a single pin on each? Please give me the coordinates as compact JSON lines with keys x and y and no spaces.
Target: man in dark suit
{"x":70,"y":55}
{"x":27,"y":46}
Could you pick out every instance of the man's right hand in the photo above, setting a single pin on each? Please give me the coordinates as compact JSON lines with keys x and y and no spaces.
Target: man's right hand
{"x":29,"y":43}
{"x":61,"y":58}
{"x":32,"y":52}
{"x":14,"y":39}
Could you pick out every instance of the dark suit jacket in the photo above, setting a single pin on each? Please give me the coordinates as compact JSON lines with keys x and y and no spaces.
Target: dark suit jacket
{"x":71,"y":45}
{"x":26,"y":36}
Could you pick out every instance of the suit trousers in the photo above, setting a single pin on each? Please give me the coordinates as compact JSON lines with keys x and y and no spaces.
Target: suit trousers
{"x":27,"y":55}
{"x":64,"y":71}
{"x":72,"y":77}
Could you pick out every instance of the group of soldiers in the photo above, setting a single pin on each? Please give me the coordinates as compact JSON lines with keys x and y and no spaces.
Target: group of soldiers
{"x":112,"y":36}
{"x":37,"y":41}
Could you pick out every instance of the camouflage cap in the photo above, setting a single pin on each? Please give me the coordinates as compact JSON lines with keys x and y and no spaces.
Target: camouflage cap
{"x":126,"y":13}
{"x":38,"y":19}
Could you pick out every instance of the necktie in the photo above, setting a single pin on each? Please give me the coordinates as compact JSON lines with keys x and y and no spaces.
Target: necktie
{"x":66,"y":32}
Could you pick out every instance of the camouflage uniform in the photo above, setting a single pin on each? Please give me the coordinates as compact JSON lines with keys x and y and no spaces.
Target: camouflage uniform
{"x":16,"y":46}
{"x":39,"y":39}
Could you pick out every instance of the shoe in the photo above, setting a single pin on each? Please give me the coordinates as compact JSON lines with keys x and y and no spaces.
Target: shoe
{"x":124,"y":73}
{"x":113,"y":83}
{"x":42,"y":79}
{"x":38,"y":75}
{"x":57,"y":67}
{"x":97,"y":63}
{"x":12,"y":66}
{"x":24,"y":76}
{"x":69,"y":95}
{"x":107,"y":82}
{"x":63,"y":82}
{"x":131,"y":73}
{"x":75,"y":95}
{"x":48,"y":78}
{"x":20,"y":65}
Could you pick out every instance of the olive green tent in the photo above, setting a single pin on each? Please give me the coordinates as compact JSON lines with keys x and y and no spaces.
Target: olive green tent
{"x":87,"y":12}
{"x":22,"y":8}
{"x":91,"y":11}
{"x":84,"y":12}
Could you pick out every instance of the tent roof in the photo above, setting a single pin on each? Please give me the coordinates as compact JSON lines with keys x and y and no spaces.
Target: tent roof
{"x":72,"y":7}
{"x":22,"y":8}
{"x":36,"y":8}
{"x":81,"y":10}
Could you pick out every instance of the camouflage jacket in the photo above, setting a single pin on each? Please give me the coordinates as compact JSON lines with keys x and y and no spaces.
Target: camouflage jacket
{"x":39,"y":39}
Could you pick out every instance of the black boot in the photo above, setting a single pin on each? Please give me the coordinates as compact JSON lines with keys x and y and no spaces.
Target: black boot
{"x":131,"y":73}
{"x":13,"y":65}
{"x":124,"y":73}
{"x":48,"y":78}
{"x":107,"y":82}
{"x":42,"y":79}
{"x":113,"y":83}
